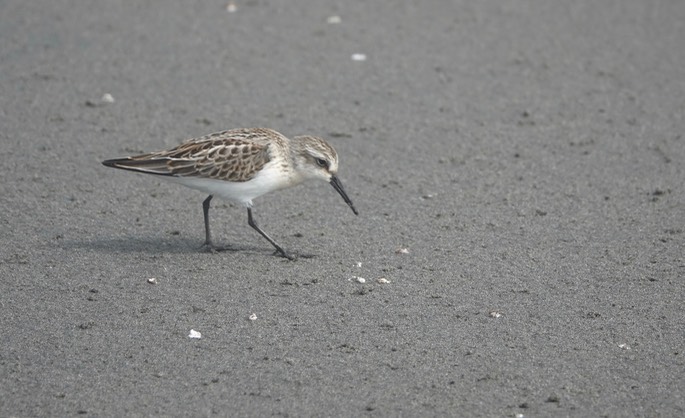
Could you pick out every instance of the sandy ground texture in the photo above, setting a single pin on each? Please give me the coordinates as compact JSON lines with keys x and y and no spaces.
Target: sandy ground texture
{"x":518,"y":168}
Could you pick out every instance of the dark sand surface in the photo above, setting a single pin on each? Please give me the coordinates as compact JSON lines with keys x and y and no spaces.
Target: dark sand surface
{"x":528,"y":154}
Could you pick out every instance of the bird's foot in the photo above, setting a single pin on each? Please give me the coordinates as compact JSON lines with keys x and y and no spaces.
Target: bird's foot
{"x":281,"y":253}
{"x":292,"y":256}
{"x":211,"y":248}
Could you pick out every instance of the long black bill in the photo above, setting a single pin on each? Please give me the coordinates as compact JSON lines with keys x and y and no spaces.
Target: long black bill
{"x":339,"y":187}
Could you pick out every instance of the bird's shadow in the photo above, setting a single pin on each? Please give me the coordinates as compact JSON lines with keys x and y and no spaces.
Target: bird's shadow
{"x":153,"y":246}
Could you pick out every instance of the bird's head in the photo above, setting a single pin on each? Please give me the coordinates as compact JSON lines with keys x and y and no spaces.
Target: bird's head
{"x":314,"y":158}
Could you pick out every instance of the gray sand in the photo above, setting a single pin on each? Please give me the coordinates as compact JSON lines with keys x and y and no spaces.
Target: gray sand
{"x":528,"y":154}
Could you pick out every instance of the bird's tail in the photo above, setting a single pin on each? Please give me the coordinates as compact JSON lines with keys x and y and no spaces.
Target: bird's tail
{"x":142,"y":164}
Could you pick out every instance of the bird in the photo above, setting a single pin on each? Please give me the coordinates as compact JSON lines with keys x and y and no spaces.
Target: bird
{"x":240,"y":165}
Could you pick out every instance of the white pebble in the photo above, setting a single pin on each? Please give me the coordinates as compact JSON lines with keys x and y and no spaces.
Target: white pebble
{"x":495,"y":314}
{"x":358,"y":57}
{"x":194,"y":334}
{"x":253,"y":317}
{"x":359,"y":264}
{"x":152,"y":280}
{"x":359,"y":279}
{"x":333,"y":20}
{"x":383,"y":280}
{"x":231,"y":7}
{"x":402,"y":251}
{"x":107,"y":98}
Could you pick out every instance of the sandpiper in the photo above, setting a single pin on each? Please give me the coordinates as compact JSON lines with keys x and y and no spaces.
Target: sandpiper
{"x":240,"y":165}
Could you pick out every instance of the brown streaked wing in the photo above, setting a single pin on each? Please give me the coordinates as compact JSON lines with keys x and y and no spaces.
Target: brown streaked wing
{"x":232,"y":159}
{"x":233,"y":155}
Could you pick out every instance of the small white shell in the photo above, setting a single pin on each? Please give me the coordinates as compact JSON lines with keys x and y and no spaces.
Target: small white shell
{"x":253,"y":317}
{"x":358,"y":57}
{"x":359,"y":279}
{"x":383,"y":280}
{"x":152,"y":280}
{"x":194,"y":334}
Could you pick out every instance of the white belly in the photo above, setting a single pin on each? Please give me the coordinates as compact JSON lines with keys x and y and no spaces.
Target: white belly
{"x":268,"y":180}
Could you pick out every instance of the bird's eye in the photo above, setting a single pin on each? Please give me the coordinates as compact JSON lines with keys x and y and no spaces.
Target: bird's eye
{"x":322,"y":163}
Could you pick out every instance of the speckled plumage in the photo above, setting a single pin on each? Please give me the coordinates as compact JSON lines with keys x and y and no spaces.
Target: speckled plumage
{"x":235,"y":155}
{"x":240,"y":165}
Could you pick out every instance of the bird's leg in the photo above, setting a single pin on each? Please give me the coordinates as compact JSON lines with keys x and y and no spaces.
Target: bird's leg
{"x":251,"y":222}
{"x":208,"y":235}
